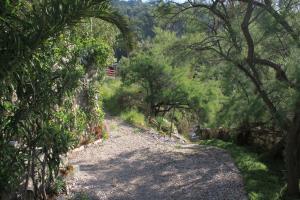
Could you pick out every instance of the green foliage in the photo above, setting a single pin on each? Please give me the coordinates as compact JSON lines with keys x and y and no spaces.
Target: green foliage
{"x":140,"y":15}
{"x":110,"y":90}
{"x":118,"y":98}
{"x":110,"y":87}
{"x":160,"y":123}
{"x":167,"y":85}
{"x":183,"y":122}
{"x":35,"y":118}
{"x":134,"y":117}
{"x":26,"y":26}
{"x":59,"y":185}
{"x":105,"y":135}
{"x":81,"y":196}
{"x":151,"y":75}
{"x":163,"y":125}
{"x":45,"y":62}
{"x":11,"y":166}
{"x":261,"y":181}
{"x":240,"y":107}
{"x":95,"y":54}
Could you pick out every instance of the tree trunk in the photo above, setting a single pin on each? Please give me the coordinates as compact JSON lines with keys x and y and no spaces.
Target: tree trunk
{"x":172,"y":119}
{"x":292,"y":154}
{"x":152,"y":107}
{"x":292,"y":162}
{"x":43,"y":178}
{"x":277,"y":150}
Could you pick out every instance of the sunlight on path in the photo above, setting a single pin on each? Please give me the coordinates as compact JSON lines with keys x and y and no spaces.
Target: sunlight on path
{"x":136,"y":166}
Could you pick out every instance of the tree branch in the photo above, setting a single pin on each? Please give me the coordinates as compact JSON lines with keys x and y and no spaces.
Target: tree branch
{"x":280,"y":74}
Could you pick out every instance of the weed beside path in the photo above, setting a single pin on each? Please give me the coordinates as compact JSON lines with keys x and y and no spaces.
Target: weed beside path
{"x":261,"y":182}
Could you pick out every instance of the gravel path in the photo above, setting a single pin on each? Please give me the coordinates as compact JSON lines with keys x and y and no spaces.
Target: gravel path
{"x":133,"y":165}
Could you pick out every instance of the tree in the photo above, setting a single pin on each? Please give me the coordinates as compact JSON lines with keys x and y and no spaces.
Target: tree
{"x":140,"y":16}
{"x":26,"y":26}
{"x":153,"y":76}
{"x":40,"y":73}
{"x":260,"y":40}
{"x":169,"y":85}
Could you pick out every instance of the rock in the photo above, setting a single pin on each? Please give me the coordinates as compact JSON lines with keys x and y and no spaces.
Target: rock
{"x":78,"y":149}
{"x":194,"y":136}
{"x":180,"y":137}
{"x":98,"y":142}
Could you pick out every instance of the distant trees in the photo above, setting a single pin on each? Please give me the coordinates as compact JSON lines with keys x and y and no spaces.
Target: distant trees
{"x":45,"y":20}
{"x":141,"y":19}
{"x":140,"y":16}
{"x":261,"y":40}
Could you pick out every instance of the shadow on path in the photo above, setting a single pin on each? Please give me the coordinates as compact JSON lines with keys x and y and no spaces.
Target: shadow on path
{"x":147,"y":174}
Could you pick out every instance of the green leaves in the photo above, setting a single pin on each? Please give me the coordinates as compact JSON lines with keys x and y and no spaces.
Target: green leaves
{"x":169,"y":84}
{"x":40,"y":71}
{"x":27,"y":27}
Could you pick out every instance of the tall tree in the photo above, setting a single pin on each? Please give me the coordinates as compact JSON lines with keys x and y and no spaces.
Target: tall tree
{"x":26,"y":25}
{"x":40,"y":72}
{"x":260,"y":39}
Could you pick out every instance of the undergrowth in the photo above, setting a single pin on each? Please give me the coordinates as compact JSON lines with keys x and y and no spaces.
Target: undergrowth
{"x":109,"y":91}
{"x":262,"y":179}
{"x":133,"y":117}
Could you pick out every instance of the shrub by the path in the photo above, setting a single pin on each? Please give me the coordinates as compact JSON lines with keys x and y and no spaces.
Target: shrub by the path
{"x":261,"y":181}
{"x":134,"y":117}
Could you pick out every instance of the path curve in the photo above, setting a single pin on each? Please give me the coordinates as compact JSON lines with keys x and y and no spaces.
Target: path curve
{"x":132,"y":165}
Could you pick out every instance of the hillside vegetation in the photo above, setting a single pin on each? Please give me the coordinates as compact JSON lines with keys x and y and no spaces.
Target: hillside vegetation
{"x":217,"y":69}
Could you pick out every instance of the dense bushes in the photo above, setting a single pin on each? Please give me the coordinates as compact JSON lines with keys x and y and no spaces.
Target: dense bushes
{"x":43,"y":119}
{"x":48,"y":73}
{"x":169,"y":89}
{"x":118,"y":98}
{"x":134,"y":117}
{"x":152,"y":84}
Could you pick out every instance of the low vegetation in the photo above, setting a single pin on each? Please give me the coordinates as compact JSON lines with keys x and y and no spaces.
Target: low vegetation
{"x":263,"y":179}
{"x":198,"y":66}
{"x":134,"y":117}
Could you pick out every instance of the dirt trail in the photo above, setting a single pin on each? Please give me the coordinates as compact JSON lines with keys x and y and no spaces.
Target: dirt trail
{"x":132,"y":165}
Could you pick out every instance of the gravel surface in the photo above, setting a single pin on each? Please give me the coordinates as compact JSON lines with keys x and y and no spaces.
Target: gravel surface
{"x":135,"y":165}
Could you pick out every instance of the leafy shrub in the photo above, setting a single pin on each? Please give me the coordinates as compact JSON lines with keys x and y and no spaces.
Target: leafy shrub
{"x":42,"y":118}
{"x":117,"y":97}
{"x":59,"y":185}
{"x":130,"y":97}
{"x":109,"y":91}
{"x":183,"y":126}
{"x":134,"y":117}
{"x":81,"y":196}
{"x":110,"y":87}
{"x":105,"y":135}
{"x":163,"y":124}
